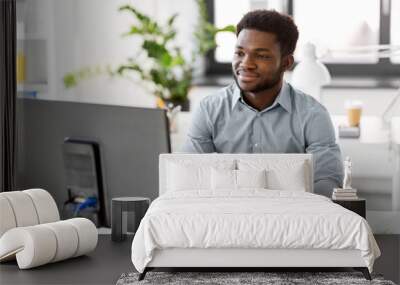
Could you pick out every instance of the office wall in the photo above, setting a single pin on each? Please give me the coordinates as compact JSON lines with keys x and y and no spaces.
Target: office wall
{"x":89,"y":33}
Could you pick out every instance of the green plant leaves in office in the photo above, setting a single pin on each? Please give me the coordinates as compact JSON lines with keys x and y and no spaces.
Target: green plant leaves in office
{"x":170,"y":74}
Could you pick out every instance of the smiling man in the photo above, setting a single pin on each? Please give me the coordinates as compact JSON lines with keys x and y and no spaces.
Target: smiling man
{"x":260,"y":112}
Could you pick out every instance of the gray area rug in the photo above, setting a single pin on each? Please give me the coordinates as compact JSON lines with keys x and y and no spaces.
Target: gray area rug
{"x":273,"y":278}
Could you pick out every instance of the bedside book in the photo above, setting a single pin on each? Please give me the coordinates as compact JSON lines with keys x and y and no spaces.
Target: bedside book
{"x":344,"y":194}
{"x":344,"y":191}
{"x":347,"y":198}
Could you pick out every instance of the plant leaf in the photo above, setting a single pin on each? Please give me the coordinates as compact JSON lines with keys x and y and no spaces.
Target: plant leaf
{"x":228,"y":28}
{"x":69,"y":80}
{"x":177,"y":60}
{"x":158,"y":52}
{"x":172,"y":19}
{"x":146,"y":25}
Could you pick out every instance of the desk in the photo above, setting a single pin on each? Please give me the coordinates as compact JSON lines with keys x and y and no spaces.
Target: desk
{"x":378,"y":149}
{"x":377,"y":156}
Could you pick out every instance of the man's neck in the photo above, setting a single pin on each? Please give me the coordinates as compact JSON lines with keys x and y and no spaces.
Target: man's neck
{"x":263,"y":99}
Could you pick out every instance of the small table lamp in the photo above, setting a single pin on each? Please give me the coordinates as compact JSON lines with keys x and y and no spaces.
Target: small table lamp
{"x":310,"y":74}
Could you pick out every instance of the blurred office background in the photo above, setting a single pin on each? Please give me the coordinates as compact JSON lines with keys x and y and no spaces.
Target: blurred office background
{"x":57,"y":37}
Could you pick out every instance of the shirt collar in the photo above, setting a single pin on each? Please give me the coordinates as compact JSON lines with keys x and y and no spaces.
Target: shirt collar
{"x":282,"y":99}
{"x":236,"y":96}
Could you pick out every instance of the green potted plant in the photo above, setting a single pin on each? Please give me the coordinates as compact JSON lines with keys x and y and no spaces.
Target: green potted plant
{"x":168,"y":73}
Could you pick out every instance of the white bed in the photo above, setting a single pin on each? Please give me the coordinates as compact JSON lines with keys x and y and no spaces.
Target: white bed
{"x":215,"y":211}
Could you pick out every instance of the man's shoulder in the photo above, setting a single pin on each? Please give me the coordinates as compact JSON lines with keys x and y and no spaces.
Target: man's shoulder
{"x":304,"y":104}
{"x":219,"y":98}
{"x":313,"y":117}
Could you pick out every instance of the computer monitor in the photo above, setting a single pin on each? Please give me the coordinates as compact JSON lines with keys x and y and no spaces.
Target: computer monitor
{"x":84,"y":180}
{"x":129,"y":140}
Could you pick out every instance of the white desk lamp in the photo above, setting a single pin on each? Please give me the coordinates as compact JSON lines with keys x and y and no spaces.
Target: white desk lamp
{"x":310,"y":74}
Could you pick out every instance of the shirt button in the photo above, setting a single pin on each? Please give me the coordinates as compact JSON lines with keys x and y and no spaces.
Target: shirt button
{"x":256,"y":144}
{"x":258,"y":115}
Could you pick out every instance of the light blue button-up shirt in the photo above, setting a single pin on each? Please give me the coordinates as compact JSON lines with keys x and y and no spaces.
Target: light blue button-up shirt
{"x":294,"y":123}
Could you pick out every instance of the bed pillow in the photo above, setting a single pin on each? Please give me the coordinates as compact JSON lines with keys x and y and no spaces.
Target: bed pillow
{"x":223,"y":179}
{"x":281,"y":174}
{"x":188,"y":175}
{"x":227,"y":179}
{"x":251,"y":178}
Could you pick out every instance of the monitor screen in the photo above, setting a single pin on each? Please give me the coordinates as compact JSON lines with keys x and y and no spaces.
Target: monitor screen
{"x":129,"y":139}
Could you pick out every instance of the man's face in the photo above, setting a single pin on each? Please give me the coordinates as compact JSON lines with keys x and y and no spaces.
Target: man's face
{"x":257,"y":63}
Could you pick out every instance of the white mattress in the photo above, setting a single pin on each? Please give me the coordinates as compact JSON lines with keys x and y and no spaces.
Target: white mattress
{"x":250,"y":219}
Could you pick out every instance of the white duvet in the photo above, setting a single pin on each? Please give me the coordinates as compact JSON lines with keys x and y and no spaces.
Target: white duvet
{"x":250,"y":219}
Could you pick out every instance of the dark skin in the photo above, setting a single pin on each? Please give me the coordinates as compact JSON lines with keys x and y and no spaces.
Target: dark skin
{"x":258,"y":66}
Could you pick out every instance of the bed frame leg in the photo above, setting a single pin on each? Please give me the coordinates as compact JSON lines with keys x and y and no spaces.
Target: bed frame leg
{"x":143,"y":274}
{"x":364,"y":271}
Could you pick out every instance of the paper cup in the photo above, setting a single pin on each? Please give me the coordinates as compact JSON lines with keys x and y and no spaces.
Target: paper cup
{"x":354,"y":111}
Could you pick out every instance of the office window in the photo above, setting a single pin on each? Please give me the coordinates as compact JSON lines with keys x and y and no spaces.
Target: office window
{"x":226,"y":41}
{"x":395,"y":29}
{"x":335,"y":26}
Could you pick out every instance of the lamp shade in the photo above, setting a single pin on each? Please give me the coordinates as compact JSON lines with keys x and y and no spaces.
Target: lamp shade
{"x":310,"y":74}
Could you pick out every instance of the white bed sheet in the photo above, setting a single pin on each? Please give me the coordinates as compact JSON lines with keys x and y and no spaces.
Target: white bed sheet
{"x":251,"y":218}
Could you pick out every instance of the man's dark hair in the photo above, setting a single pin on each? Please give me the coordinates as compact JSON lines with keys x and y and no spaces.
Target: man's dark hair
{"x":272,"y":22}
